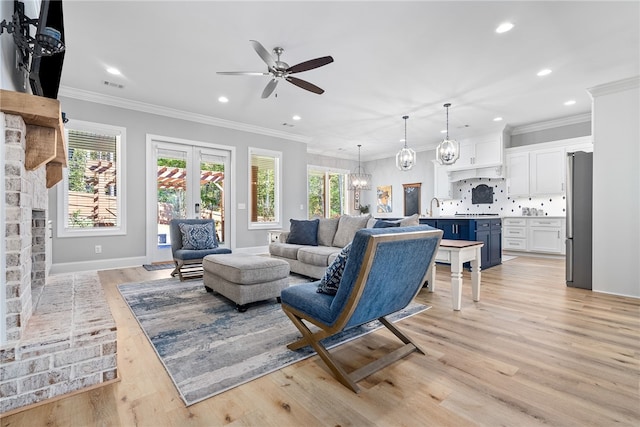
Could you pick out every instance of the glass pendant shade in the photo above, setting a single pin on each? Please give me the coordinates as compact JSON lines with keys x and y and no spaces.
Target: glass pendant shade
{"x":448,"y":150}
{"x":406,"y":157}
{"x":359,"y":180}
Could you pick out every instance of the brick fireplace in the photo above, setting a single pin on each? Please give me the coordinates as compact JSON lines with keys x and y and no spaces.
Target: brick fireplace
{"x":60,"y":335}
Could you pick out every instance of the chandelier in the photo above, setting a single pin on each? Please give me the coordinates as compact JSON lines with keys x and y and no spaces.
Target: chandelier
{"x":359,"y":180}
{"x":406,"y":157}
{"x":449,"y":150}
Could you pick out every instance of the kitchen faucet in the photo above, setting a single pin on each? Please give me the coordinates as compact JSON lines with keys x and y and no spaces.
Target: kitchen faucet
{"x":431,"y":205}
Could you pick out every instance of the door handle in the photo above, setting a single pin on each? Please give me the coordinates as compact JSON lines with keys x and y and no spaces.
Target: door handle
{"x":197,"y":208}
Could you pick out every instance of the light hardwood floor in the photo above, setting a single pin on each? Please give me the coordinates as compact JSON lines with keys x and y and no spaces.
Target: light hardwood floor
{"x":531,"y":352}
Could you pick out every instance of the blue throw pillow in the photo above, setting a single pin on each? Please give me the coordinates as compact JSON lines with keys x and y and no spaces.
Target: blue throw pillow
{"x":385,"y":224}
{"x":198,"y":236}
{"x":333,"y":275}
{"x":303,"y":232}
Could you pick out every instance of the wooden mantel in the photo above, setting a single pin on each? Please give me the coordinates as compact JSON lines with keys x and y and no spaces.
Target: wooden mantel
{"x":45,"y":131}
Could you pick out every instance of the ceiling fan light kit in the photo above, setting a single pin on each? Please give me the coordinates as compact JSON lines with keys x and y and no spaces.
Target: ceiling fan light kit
{"x":406,"y":157}
{"x":278,"y":69}
{"x":448,"y":150}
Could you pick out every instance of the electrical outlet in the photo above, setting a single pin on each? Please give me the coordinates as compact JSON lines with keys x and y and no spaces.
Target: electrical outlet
{"x":98,"y":249}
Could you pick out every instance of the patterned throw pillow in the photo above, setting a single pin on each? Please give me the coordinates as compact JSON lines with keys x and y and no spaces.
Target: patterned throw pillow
{"x":332,"y":276}
{"x":198,"y":236}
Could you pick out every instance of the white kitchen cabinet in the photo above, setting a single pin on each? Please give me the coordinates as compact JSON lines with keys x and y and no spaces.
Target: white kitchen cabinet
{"x":547,"y":171}
{"x":534,"y":234}
{"x":546,"y":235}
{"x":479,"y":153}
{"x":442,"y":186}
{"x":517,"y":174}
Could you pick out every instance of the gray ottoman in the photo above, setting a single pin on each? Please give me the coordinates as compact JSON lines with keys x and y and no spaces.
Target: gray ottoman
{"x":245,"y":278}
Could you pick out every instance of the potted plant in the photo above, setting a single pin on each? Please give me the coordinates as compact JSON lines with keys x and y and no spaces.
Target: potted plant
{"x":364,"y":209}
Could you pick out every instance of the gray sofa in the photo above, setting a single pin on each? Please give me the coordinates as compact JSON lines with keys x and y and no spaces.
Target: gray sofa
{"x":333,"y":235}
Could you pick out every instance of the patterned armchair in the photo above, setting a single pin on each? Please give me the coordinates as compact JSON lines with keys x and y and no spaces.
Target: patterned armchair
{"x":384,"y":271}
{"x":191,"y":241}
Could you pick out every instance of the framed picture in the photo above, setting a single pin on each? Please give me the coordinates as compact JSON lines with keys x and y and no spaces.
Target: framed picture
{"x":384,"y":204}
{"x":411,"y":198}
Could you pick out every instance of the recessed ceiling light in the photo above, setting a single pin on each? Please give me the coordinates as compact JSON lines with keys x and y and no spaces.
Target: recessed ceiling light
{"x":114,"y":71}
{"x":570,"y":102}
{"x":443,"y":131}
{"x":544,"y":72}
{"x":223,"y":99}
{"x":497,"y":119}
{"x":296,"y":117}
{"x":504,"y":27}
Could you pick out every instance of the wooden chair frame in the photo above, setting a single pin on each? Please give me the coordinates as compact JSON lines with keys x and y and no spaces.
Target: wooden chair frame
{"x":309,"y":337}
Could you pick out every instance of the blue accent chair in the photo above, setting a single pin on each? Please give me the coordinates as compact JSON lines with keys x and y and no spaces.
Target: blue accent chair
{"x":189,"y":261}
{"x":384,"y":272}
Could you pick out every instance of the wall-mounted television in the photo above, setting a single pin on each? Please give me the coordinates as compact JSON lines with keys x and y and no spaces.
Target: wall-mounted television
{"x":45,"y":71}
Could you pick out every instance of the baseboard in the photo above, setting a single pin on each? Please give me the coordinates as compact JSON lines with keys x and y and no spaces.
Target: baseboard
{"x":104,"y":264}
{"x":534,"y":254}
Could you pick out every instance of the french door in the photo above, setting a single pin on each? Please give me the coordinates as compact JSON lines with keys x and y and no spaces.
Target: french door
{"x":185,"y":181}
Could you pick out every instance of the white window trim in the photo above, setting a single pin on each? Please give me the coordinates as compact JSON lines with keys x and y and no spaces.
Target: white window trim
{"x":326,"y":169}
{"x":278,"y":190}
{"x":63,"y":200}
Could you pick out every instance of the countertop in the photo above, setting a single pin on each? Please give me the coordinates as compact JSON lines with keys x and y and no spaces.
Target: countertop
{"x":488,"y":216}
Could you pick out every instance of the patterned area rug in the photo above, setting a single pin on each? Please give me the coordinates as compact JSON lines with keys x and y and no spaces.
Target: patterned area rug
{"x":208,"y":347}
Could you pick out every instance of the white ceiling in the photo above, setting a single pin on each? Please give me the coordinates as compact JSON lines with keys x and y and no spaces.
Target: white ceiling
{"x":391,"y":58}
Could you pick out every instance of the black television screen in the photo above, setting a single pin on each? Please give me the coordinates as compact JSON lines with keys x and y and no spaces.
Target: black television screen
{"x":46,"y":71}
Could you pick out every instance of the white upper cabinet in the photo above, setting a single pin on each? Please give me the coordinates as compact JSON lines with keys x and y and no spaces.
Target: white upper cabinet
{"x":442,"y":186}
{"x":547,"y":171}
{"x":517,"y":174}
{"x":479,"y":153}
{"x":540,"y":169}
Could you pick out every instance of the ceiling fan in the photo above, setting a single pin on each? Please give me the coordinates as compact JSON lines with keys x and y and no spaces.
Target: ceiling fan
{"x":281,"y":70}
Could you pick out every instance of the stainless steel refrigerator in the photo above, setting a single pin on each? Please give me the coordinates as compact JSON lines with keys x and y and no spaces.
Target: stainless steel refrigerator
{"x":579,"y":219}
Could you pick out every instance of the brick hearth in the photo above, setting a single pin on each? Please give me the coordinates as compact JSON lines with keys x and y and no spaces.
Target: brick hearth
{"x":61,"y":336}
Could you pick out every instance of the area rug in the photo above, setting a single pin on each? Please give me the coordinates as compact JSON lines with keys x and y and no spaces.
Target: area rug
{"x":208,"y":347}
{"x":154,"y":267}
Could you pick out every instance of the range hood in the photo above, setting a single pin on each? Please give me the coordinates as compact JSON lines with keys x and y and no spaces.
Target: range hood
{"x":479,"y":172}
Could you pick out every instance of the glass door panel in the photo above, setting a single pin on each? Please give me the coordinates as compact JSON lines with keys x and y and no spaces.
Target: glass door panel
{"x":171,"y":166}
{"x":212,"y":196}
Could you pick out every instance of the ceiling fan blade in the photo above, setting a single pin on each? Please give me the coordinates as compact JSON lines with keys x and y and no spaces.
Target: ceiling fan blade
{"x":305,"y":85}
{"x":268,"y":90}
{"x":310,"y":65}
{"x":264,"y":54}
{"x":241,"y":73}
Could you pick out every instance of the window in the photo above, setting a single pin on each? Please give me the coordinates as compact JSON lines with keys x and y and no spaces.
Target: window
{"x":90,"y":198}
{"x":327,"y":193}
{"x":264,"y":188}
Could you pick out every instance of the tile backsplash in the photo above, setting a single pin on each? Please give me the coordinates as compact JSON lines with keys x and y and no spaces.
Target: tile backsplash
{"x":502,"y":204}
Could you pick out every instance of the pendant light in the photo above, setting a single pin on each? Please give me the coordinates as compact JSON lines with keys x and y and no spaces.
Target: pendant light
{"x":449,"y":150}
{"x":406,"y":158}
{"x":359,"y":180}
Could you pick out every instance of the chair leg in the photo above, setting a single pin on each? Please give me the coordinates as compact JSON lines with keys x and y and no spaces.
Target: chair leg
{"x":401,"y":335}
{"x":176,"y":270}
{"x":340,"y":374}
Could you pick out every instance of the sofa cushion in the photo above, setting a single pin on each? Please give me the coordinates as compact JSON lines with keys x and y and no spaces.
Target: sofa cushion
{"x":410,"y":220}
{"x":303,"y":232}
{"x":347,"y":227}
{"x":385,"y":224}
{"x":327,"y":230}
{"x":317,"y":255}
{"x":331,"y":280}
{"x":198,"y":236}
{"x":284,"y":250}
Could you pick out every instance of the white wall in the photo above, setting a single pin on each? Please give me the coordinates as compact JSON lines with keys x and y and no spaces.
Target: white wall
{"x":616,"y":182}
{"x":79,"y":250}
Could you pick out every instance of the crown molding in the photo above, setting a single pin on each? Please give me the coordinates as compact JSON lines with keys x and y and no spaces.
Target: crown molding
{"x":85,"y":95}
{"x":614,"y":87}
{"x":550,"y":124}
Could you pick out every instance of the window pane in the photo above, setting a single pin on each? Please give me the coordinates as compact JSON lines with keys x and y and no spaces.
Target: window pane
{"x":316,"y":192}
{"x":337,"y":195}
{"x":264,"y":175}
{"x":92,"y":182}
